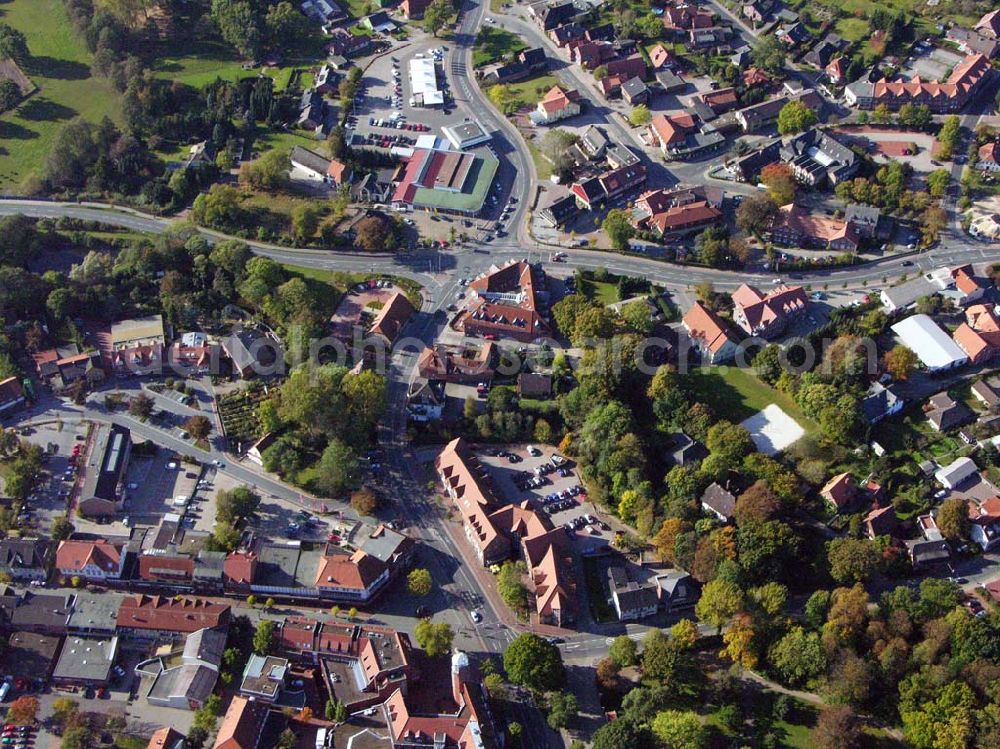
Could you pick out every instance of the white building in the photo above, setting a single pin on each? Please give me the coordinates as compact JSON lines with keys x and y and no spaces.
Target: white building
{"x":424,"y":91}
{"x":936,"y":349}
{"x":956,"y":472}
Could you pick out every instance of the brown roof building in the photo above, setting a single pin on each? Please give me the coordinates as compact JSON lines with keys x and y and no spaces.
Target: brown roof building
{"x":166,"y":738}
{"x":709,"y":334}
{"x":242,"y":725}
{"x":91,"y":560}
{"x":507,"y":303}
{"x":171,"y":617}
{"x":494,"y":530}
{"x":392,"y":317}
{"x":767,"y":315}
{"x":453,"y":364}
{"x":840,"y":491}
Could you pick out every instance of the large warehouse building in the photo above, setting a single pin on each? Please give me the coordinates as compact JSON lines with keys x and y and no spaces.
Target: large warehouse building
{"x":447,"y":181}
{"x":932,"y":345}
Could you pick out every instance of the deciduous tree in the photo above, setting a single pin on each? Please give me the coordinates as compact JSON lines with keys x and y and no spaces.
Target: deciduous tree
{"x":419,"y":582}
{"x":534,"y":663}
{"x":435,"y":639}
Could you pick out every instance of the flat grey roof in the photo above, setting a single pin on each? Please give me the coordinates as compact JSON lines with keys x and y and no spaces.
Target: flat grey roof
{"x":86,"y":658}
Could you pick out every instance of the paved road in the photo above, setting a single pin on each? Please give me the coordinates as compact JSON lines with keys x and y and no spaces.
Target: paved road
{"x":436,"y":270}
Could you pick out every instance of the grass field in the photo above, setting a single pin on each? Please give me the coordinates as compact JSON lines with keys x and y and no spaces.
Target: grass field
{"x":60,"y":68}
{"x":542,"y":165}
{"x":531,"y":91}
{"x":493,"y":43}
{"x":737,"y":394}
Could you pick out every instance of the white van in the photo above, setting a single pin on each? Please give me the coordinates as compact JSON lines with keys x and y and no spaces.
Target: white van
{"x":180,"y":501}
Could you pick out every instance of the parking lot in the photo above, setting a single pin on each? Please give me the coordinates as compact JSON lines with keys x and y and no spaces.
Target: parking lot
{"x":383,"y":116}
{"x":59,"y":440}
{"x":930,"y":63}
{"x":551,"y":484}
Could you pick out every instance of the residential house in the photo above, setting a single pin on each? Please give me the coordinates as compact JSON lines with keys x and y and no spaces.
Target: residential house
{"x":167,"y":738}
{"x":312,"y":111}
{"x":719,"y":501}
{"x":793,"y":34}
{"x":660,"y":57}
{"x":635,"y":91}
{"x":979,"y":335}
{"x":972,"y":42}
{"x":379,"y":21}
{"x":718,"y":101}
{"x":550,"y":14}
{"x":709,"y":334}
{"x":28,"y":612}
{"x":392,"y":318}
{"x":534,"y":385}
{"x":457,"y":364}
{"x":677,"y":590}
{"x":796,"y":226}
{"x":565,"y":35}
{"x":594,"y":142}
{"x":984,"y":522}
{"x":747,"y":167}
{"x":60,"y":368}
{"x":989,"y":157}
{"x":560,"y":211}
{"x":836,"y":70}
{"x":98,"y":560}
{"x":989,"y":25}
{"x":755,"y":77}
{"x":243,"y":724}
{"x":557,"y":104}
{"x":681,"y":18}
{"x":509,"y":72}
{"x":414,"y":9}
{"x":309,"y":165}
{"x":840,"y":491}
{"x":818,"y":158}
{"x":11,"y":395}
{"x":927,"y":553}
{"x":534,"y":59}
{"x":863,"y":219}
{"x":969,"y":287}
{"x":24,"y":558}
{"x":632,"y":601}
{"x":670,"y":82}
{"x":669,"y":130}
{"x":674,"y":212}
{"x":759,"y":116}
{"x":986,"y":394}
{"x":715,"y":39}
{"x":822,"y":53}
{"x":252,"y":351}
{"x":681,"y":450}
{"x":945,"y":413}
{"x":881,"y":521}
{"x":880,"y":402}
{"x":425,"y":400}
{"x":767,"y":315}
{"x":345,"y":44}
{"x":758,"y":12}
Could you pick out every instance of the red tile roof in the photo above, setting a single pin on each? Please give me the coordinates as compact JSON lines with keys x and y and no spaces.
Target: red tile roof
{"x":706,"y":327}
{"x":990,"y":152}
{"x":241,"y":725}
{"x":673,"y":128}
{"x":840,"y":490}
{"x":392,"y":317}
{"x":75,"y":556}
{"x":558,"y":98}
{"x":158,"y":613}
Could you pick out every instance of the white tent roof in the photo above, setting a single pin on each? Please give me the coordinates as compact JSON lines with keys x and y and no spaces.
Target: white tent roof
{"x":933,"y":346}
{"x":423,"y":80}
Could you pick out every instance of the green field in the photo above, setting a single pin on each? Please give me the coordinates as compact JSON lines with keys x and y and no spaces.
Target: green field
{"x":737,"y":394}
{"x":493,"y":43}
{"x":531,"y":91}
{"x":60,"y":68}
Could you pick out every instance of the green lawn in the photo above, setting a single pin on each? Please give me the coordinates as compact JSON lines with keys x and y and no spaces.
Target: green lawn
{"x":60,"y":67}
{"x":493,"y":43}
{"x":604,"y":292}
{"x":530,"y":91}
{"x":737,"y":394}
{"x":542,"y":165}
{"x":853,"y":29}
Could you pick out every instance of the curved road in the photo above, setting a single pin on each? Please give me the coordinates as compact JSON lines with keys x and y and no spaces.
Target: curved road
{"x":438,"y":271}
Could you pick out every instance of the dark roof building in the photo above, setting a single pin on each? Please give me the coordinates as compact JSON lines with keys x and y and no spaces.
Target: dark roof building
{"x":816,"y":157}
{"x":24,"y":558}
{"x":104,"y":476}
{"x":719,"y":501}
{"x":30,"y":655}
